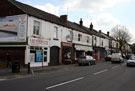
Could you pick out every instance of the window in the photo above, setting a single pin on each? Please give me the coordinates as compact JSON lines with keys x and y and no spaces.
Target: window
{"x":88,"y":39}
{"x":71,"y":35}
{"x":117,"y":45}
{"x":102,"y":43}
{"x":36,"y":28}
{"x":55,"y":33}
{"x":79,"y":37}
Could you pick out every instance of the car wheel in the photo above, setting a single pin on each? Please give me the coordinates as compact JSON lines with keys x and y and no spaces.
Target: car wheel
{"x":80,"y":64}
{"x":95,"y":63}
{"x":128,"y":65}
{"x":89,"y":64}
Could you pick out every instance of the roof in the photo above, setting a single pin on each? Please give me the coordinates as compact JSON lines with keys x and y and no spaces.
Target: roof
{"x":45,"y":16}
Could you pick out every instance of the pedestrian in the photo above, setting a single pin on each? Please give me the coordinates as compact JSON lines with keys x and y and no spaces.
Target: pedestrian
{"x":8,"y":59}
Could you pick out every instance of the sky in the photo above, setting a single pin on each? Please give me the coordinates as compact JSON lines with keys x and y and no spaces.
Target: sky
{"x":104,"y":14}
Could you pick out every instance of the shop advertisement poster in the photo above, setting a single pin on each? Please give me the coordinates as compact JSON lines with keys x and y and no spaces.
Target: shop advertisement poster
{"x":32,"y":57}
{"x":39,"y":56}
{"x":13,"y":28}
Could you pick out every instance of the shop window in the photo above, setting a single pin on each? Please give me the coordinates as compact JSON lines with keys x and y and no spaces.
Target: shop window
{"x":55,"y":33}
{"x":45,"y":56}
{"x":36,"y":54}
{"x":36,"y":28}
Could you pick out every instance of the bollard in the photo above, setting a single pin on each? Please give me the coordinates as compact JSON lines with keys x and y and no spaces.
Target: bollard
{"x":28,"y":68}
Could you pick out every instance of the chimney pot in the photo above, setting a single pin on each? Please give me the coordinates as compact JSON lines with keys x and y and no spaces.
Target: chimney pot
{"x":91,"y":26}
{"x":100,"y":31}
{"x":63,"y":18}
{"x":108,"y":33}
{"x":81,"y":22}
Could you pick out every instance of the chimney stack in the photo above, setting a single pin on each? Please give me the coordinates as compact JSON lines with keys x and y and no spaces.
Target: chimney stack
{"x":108,"y":33}
{"x":81,"y":22}
{"x":91,"y":26}
{"x":63,"y":18}
{"x":100,"y":31}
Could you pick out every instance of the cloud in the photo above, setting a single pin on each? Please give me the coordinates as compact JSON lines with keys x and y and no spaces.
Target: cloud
{"x":103,"y":21}
{"x":49,"y":8}
{"x":90,"y":5}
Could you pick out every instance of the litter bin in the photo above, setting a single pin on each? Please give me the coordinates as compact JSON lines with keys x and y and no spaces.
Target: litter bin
{"x":16,"y":67}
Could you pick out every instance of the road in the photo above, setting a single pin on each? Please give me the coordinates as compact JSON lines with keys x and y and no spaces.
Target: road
{"x":101,"y":77}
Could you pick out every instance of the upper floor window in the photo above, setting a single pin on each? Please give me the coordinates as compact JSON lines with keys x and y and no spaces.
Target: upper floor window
{"x":55,"y":33}
{"x":69,"y":36}
{"x":102,"y":43}
{"x":36,"y":28}
{"x":88,"y":39}
{"x":117,"y":45}
{"x":79,"y":37}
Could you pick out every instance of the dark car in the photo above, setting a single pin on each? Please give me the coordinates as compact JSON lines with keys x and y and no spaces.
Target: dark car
{"x":108,"y":58}
{"x":86,"y":60}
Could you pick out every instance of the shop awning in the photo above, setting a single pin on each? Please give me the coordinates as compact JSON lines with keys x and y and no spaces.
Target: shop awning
{"x":83,"y":48}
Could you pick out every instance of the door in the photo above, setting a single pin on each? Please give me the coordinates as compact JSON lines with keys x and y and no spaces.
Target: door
{"x":54,"y":55}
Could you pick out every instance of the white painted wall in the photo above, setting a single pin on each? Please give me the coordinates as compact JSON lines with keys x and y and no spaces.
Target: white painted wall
{"x":83,"y":40}
{"x":46,"y":30}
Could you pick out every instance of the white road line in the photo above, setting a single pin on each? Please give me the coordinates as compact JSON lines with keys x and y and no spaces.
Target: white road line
{"x":65,"y":83}
{"x":115,"y":66}
{"x":2,"y":79}
{"x":100,"y":72}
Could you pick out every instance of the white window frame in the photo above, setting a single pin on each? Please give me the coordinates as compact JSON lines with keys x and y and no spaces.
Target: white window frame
{"x":36,"y":24}
{"x":55,"y":33}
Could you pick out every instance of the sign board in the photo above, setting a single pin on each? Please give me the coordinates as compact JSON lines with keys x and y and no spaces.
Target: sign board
{"x":13,"y":28}
{"x":38,"y":42}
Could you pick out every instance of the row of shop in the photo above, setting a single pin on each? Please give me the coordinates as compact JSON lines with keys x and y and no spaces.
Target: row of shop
{"x":39,"y":53}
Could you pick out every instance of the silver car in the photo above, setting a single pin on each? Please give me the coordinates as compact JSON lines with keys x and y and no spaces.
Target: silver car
{"x":131,"y":61}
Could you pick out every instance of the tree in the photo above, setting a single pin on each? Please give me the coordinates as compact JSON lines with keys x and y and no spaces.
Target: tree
{"x":133,"y":48}
{"x":121,"y":34}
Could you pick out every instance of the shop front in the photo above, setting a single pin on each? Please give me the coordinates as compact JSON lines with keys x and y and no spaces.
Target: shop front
{"x":66,"y":52}
{"x":81,"y":50}
{"x":11,"y":54}
{"x":37,"y":52}
{"x":99,"y":53}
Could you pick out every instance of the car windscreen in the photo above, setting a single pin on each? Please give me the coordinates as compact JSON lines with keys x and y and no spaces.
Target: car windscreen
{"x":132,"y":58}
{"x":82,"y":57}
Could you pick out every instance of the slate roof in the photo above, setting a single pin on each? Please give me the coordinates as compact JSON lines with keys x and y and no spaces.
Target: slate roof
{"x":53,"y":18}
{"x":45,"y":16}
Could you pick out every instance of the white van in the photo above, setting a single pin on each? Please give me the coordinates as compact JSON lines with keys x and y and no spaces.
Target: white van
{"x":117,"y":57}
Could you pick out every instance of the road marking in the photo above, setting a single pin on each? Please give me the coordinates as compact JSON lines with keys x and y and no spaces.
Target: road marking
{"x":115,"y":66}
{"x":100,"y":72}
{"x":65,"y":83}
{"x":2,"y":79}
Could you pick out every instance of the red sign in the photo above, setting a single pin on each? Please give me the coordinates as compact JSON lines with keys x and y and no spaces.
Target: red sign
{"x":67,"y":44}
{"x":36,"y":41}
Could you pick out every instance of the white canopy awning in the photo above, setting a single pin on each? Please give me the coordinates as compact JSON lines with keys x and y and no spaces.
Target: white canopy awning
{"x":83,"y":48}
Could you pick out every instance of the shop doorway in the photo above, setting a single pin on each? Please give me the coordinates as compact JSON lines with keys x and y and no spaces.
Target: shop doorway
{"x":54,"y":55}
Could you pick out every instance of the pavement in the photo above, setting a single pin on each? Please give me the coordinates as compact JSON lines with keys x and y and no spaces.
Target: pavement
{"x":6,"y":74}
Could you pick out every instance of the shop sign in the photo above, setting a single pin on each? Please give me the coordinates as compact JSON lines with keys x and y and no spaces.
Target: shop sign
{"x":83,"y":48}
{"x":13,"y":28}
{"x":67,"y":44}
{"x":38,"y":42}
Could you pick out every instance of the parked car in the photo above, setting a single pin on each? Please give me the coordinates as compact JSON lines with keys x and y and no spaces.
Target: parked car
{"x":129,"y":55}
{"x":131,"y":61}
{"x":86,"y":60}
{"x":108,"y":58}
{"x":117,"y":57}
